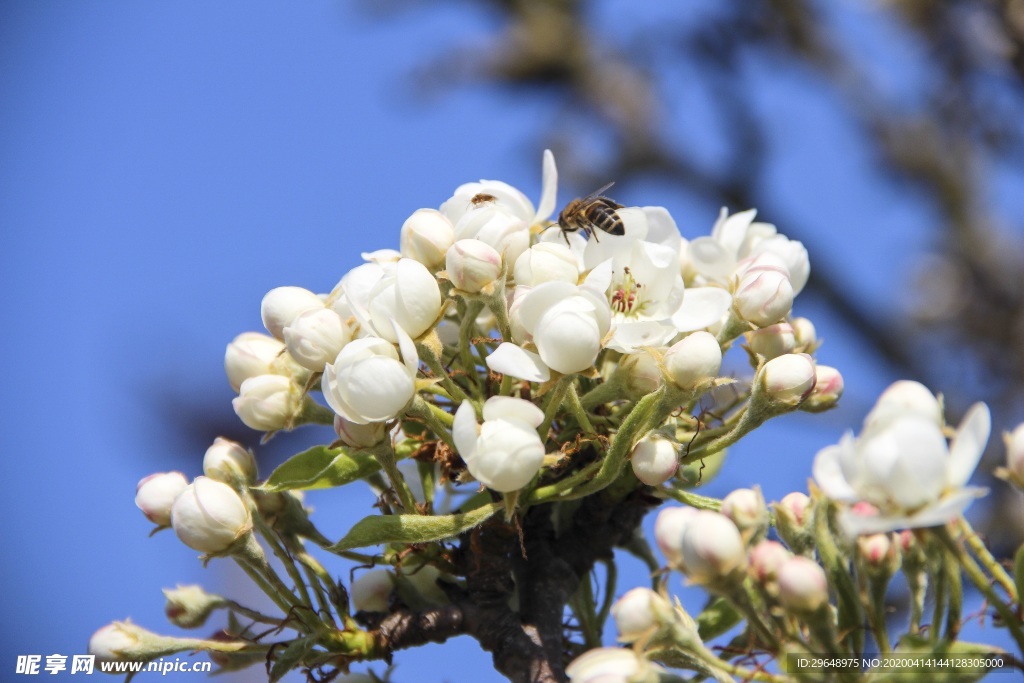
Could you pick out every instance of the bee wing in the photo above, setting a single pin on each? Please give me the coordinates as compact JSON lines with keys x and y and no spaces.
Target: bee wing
{"x":598,"y":192}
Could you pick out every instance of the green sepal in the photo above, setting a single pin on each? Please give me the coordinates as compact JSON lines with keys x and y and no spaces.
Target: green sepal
{"x":321,"y":467}
{"x":1018,"y":572}
{"x":378,"y":529}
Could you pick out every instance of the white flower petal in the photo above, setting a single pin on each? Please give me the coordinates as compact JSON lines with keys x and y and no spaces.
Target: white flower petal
{"x":549,"y":191}
{"x":464,"y":431}
{"x":631,"y":336}
{"x":731,"y":232}
{"x":968,"y":445}
{"x":662,"y":228}
{"x":829,"y":475}
{"x":701,"y":307}
{"x":408,"y":348}
{"x":568,"y":338}
{"x":509,"y":359}
{"x":508,"y":408}
{"x":599,"y":279}
{"x":541,"y":298}
{"x":711,"y":259}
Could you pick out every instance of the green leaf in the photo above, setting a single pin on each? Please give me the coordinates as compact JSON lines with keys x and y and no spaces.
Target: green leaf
{"x":1018,"y":572}
{"x":320,"y":468}
{"x":377,"y":529}
{"x":292,"y":655}
{"x":717,"y":618}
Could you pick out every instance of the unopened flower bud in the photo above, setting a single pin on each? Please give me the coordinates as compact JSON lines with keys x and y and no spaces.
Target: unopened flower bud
{"x":793,"y":521}
{"x":252,"y":354}
{"x":693,"y":360}
{"x":359,"y":435}
{"x":828,"y":388}
{"x":266,"y":403}
{"x":881,"y":555}
{"x":371,"y":592}
{"x":772,"y":341}
{"x":546,"y":262}
{"x":747,"y":510}
{"x":789,"y":379}
{"x":654,"y":460}
{"x":209,"y":516}
{"x":669,"y":527}
{"x":640,"y":374}
{"x":156,"y":494}
{"x":802,"y":585}
{"x":766,"y":558}
{"x":123,"y":640}
{"x":472,"y":265}
{"x":1014,"y":470}
{"x":190,"y":606}
{"x":282,"y":305}
{"x":764,"y":294}
{"x":712,"y":548}
{"x":426,"y":236}
{"x":315,"y":338}
{"x":611,"y":665}
{"x":229,"y":462}
{"x":639,"y":613}
{"x":806,"y":335}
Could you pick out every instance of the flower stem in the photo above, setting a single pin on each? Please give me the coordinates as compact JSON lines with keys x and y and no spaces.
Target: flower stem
{"x":385,"y":455}
{"x":987,"y":560}
{"x":981,"y":582}
{"x":430,"y":358}
{"x":554,"y":403}
{"x":693,"y":499}
{"x":576,"y":408}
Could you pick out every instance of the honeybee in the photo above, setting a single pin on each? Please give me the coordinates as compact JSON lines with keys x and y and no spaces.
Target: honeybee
{"x":482,"y":198}
{"x":590,"y":214}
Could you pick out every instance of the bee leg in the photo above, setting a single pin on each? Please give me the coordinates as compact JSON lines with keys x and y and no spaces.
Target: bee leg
{"x":565,"y":236}
{"x":593,"y":233}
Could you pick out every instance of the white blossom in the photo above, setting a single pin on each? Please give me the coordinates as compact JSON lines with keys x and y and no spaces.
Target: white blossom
{"x":405,"y":297}
{"x":764,"y":293}
{"x":505,"y":452}
{"x":638,"y":613}
{"x":654,"y":460}
{"x":315,"y":338}
{"x":371,"y":592}
{"x":693,"y":360}
{"x":229,"y":462}
{"x":789,"y":378}
{"x":156,"y":493}
{"x":669,"y":527}
{"x":472,"y":265}
{"x":802,"y":584}
{"x":252,"y":354}
{"x":900,"y":472}
{"x":712,"y":548}
{"x":282,"y":305}
{"x":546,"y":262}
{"x":426,"y":236}
{"x":209,"y":516}
{"x":369,"y":381}
{"x":267,"y":402}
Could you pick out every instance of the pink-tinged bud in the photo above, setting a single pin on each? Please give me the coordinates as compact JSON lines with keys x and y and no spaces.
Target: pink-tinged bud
{"x":282,"y":305}
{"x":712,"y":548}
{"x":472,"y":265}
{"x":209,"y":516}
{"x":371,"y":592}
{"x":669,"y":527}
{"x":764,"y":294}
{"x":638,"y":613}
{"x":426,"y":236}
{"x":802,"y":585}
{"x":766,"y":558}
{"x":772,"y":341}
{"x":828,"y":387}
{"x":806,"y":335}
{"x":694,"y":360}
{"x":747,"y":510}
{"x":359,"y":435}
{"x":155,"y":495}
{"x":190,"y":606}
{"x":654,"y":460}
{"x":795,"y":506}
{"x":789,"y":379}
{"x":229,"y":462}
{"x":881,"y":555}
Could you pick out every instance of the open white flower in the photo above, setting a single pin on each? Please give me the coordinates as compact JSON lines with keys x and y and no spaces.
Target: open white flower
{"x":505,"y":452}
{"x":736,"y":237}
{"x":566,"y":322}
{"x":499,"y":214}
{"x":377,"y":294}
{"x":369,"y":382}
{"x":901,"y":473}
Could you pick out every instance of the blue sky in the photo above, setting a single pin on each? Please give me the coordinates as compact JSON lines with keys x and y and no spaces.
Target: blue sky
{"x":163,"y":165}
